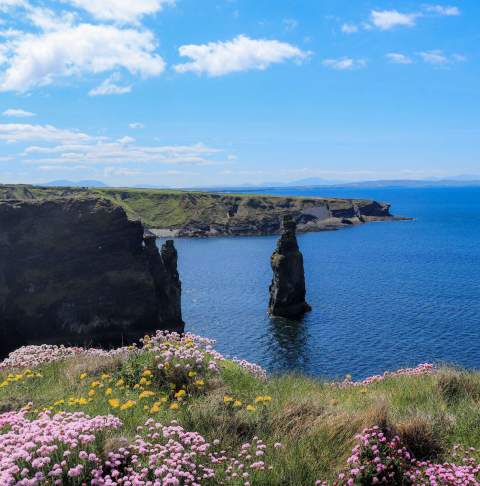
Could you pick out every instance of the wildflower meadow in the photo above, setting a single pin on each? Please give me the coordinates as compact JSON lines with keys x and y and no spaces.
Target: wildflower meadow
{"x":173,"y":411}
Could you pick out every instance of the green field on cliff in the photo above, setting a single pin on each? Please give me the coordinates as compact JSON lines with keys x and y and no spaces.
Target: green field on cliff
{"x":293,"y":430}
{"x":173,"y":209}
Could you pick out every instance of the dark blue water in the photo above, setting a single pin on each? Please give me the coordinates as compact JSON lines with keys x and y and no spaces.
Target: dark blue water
{"x":384,"y":295}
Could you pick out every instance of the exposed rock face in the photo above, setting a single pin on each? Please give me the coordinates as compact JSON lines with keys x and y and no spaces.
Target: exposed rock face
{"x":287,"y":290}
{"x":78,"y":271}
{"x":197,"y":214}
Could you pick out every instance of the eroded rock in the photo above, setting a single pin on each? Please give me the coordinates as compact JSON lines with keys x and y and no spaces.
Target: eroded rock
{"x":78,"y":271}
{"x":287,"y":290}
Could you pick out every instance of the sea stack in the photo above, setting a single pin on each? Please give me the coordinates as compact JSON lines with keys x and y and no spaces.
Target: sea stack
{"x":287,"y":291}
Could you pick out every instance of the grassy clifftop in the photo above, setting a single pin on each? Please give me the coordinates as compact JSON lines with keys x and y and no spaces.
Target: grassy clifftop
{"x":176,"y":412}
{"x":209,"y":214}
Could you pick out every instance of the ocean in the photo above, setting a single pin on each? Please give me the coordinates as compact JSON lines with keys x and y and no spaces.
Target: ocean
{"x":384,"y":295}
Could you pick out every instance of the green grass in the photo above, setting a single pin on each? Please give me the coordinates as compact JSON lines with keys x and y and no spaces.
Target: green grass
{"x":315,"y":421}
{"x":173,"y":209}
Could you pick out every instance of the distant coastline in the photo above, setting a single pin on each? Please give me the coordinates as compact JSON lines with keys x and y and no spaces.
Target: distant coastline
{"x":168,"y":213}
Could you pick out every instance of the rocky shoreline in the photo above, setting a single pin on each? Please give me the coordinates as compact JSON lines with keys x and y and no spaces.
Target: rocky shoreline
{"x":168,"y":214}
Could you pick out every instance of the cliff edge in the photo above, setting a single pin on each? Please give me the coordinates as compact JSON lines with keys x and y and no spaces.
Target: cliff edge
{"x":190,"y":213}
{"x":78,"y":271}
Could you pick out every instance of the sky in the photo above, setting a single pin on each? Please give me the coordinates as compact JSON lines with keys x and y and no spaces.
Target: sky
{"x":184,"y":93}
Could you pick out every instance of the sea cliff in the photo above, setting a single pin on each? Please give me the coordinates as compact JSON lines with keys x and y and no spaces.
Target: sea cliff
{"x":190,"y":214}
{"x":77,"y":270}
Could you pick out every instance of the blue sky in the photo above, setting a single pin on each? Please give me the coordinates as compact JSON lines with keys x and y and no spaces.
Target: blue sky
{"x":204,"y":92}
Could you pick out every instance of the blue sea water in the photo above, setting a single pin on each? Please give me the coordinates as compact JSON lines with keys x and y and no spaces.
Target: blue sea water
{"x":384,"y":295}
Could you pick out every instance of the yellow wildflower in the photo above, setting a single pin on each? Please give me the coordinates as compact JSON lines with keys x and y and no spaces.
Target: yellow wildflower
{"x":191,"y":374}
{"x":94,"y":384}
{"x":82,"y":401}
{"x":250,"y":408}
{"x":199,"y":383}
{"x":263,"y":398}
{"x":120,"y":382}
{"x":108,"y":391}
{"x":59,"y":402}
{"x":237,"y":403}
{"x":174,"y":406}
{"x":180,"y":394}
{"x":83,"y":376}
{"x":128,"y":404}
{"x":147,"y":372}
{"x":227,"y":399}
{"x":146,"y":394}
{"x":114,"y":403}
{"x":91,"y":393}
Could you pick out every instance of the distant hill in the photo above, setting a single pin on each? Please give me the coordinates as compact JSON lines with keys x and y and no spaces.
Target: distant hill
{"x":451,"y":182}
{"x":66,"y":183}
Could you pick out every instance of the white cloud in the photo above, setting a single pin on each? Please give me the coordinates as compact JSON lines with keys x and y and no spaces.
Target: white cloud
{"x":121,"y":10}
{"x":16,"y":132}
{"x":18,"y":113}
{"x":349,"y":28}
{"x":136,"y":125}
{"x":345,"y":63}
{"x":239,"y":54}
{"x":397,"y":58}
{"x":40,"y":59}
{"x":389,"y":19}
{"x":109,"y":87}
{"x":124,"y":150}
{"x":48,"y":146}
{"x":446,"y":11}
{"x":438,"y":58}
{"x":8,"y":4}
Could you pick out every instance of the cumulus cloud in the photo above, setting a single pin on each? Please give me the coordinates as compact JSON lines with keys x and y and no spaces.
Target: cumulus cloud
{"x":345,"y":63}
{"x":239,"y":54}
{"x":120,"y":151}
{"x":8,"y":4}
{"x":109,"y":87}
{"x":447,"y":11}
{"x":48,"y":146}
{"x":17,"y":113}
{"x":40,"y":59}
{"x":121,"y":10}
{"x":136,"y":125}
{"x":17,"y":132}
{"x":389,"y":19}
{"x":438,"y":58}
{"x":349,"y":28}
{"x":397,"y":58}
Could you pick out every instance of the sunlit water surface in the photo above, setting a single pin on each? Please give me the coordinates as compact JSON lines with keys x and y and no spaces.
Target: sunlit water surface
{"x":384,"y":295}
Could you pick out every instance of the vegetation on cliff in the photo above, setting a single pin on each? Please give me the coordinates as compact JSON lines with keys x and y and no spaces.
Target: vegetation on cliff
{"x":174,"y":411}
{"x":208,"y":214}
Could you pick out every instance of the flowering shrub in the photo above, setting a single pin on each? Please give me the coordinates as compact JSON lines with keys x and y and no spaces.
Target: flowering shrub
{"x":169,"y":455}
{"x":380,"y":459}
{"x":60,"y":449}
{"x":33,"y":356}
{"x":421,"y":369}
{"x":49,"y":449}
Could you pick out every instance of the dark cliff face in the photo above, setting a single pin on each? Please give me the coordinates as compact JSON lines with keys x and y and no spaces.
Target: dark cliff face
{"x":78,"y":271}
{"x":287,"y":291}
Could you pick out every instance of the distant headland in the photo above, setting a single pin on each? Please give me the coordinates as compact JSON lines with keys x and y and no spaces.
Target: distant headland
{"x":168,"y":213}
